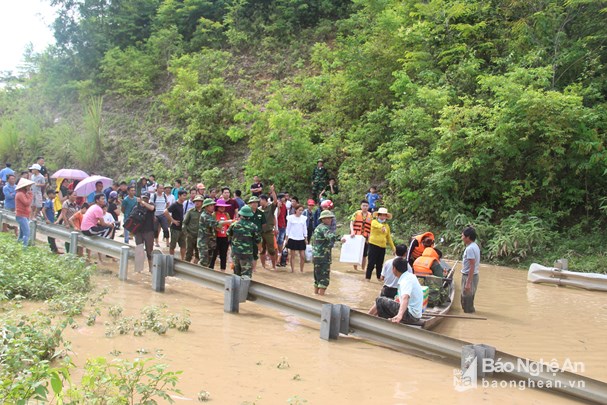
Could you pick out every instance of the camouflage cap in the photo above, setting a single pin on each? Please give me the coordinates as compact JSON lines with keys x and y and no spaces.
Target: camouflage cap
{"x":246,"y":211}
{"x":198,"y":198}
{"x":326,"y":214}
{"x":207,"y":202}
{"x":253,"y":199}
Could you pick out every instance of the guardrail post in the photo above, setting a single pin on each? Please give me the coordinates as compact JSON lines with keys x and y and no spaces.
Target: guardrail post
{"x":158,"y":272}
{"x":329,"y":321}
{"x":231,"y":296}
{"x":169,"y":265}
{"x":124,"y":263}
{"x":74,"y":242}
{"x":344,"y":319}
{"x":33,"y":225}
{"x":243,"y":290}
{"x":474,"y":356}
{"x":562,"y":264}
{"x":1,"y":220}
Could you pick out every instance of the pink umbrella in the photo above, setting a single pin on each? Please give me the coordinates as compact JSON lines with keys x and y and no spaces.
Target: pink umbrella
{"x":70,"y":174}
{"x":87,"y":186}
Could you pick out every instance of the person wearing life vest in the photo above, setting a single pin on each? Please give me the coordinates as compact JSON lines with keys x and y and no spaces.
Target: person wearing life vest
{"x":428,"y":264}
{"x":418,"y":244}
{"x":360,"y":224}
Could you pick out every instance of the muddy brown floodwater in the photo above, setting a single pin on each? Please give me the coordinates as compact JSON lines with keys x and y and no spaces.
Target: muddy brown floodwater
{"x":235,"y":356}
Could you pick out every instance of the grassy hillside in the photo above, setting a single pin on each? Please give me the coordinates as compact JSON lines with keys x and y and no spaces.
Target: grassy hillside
{"x":490,"y":113}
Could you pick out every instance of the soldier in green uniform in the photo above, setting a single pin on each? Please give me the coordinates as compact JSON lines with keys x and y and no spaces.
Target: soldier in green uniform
{"x":190,"y":226}
{"x":322,"y":241}
{"x":320,"y":176}
{"x":258,"y":219}
{"x":244,"y":237}
{"x":207,"y":240}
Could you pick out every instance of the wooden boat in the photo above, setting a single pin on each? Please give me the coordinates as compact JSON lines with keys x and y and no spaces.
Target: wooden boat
{"x":552,"y":275}
{"x":429,"y":317}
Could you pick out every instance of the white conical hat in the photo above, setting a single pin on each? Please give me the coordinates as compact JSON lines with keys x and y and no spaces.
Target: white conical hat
{"x":24,"y":183}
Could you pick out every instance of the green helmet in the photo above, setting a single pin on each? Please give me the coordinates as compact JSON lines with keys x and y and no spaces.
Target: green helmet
{"x":326,"y":214}
{"x":207,"y":202}
{"x":246,"y":212}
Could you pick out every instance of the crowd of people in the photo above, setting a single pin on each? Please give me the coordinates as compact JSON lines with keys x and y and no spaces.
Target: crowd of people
{"x":269,"y":228}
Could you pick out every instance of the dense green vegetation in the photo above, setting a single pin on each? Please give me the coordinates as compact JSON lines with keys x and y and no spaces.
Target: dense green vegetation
{"x":489,"y":111}
{"x":34,"y":355}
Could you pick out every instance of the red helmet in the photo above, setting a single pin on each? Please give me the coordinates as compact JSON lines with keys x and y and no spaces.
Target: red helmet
{"x":326,"y":204}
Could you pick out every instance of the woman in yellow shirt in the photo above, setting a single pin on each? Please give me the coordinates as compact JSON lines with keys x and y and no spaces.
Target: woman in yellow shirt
{"x":379,"y":239}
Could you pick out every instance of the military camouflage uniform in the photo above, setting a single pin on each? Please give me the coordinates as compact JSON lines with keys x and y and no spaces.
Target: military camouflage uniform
{"x":190,"y":226}
{"x":320,"y":178}
{"x":322,"y":241}
{"x":244,"y":237}
{"x":259,"y":219}
{"x":207,"y":239}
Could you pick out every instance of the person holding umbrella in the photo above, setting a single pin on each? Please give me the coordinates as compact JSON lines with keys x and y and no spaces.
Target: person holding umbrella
{"x":23,"y":209}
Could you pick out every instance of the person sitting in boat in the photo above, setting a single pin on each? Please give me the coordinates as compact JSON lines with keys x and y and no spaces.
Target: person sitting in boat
{"x":418,"y":244}
{"x":407,"y":307}
{"x":428,"y":264}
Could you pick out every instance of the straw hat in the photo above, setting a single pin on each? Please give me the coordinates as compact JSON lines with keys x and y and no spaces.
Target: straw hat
{"x":383,"y":210}
{"x":23,"y":183}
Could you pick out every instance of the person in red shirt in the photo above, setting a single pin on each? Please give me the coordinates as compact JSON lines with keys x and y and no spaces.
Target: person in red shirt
{"x":221,"y":215}
{"x":23,"y":203}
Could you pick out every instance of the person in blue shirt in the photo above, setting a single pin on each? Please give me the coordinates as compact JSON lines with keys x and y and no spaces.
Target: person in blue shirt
{"x":4,"y":173}
{"x":238,"y":198}
{"x":48,"y":213}
{"x":373,"y":197}
{"x":98,"y":190}
{"x":10,"y":191}
{"x":128,"y":203}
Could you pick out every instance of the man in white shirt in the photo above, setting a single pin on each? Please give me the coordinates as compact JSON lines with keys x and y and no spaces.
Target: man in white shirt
{"x":407,"y":308}
{"x":471,"y":261}
{"x":390,"y":288}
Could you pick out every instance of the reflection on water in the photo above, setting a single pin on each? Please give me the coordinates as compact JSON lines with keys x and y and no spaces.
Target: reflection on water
{"x":235,"y":356}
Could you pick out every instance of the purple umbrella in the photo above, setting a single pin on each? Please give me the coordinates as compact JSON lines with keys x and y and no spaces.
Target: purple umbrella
{"x":87,"y":186}
{"x":70,"y":174}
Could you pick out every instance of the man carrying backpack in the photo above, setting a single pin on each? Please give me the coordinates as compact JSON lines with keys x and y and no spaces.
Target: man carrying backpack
{"x":161,"y":201}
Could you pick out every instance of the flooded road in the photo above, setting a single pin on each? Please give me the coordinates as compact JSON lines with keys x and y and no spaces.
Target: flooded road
{"x":236,"y":356}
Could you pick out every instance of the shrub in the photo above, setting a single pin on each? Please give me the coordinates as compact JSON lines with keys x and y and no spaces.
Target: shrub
{"x":38,"y":274}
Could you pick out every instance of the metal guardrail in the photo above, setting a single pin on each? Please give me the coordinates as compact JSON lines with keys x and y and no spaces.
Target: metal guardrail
{"x":422,"y":342}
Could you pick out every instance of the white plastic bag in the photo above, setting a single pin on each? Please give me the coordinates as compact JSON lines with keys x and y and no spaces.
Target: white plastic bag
{"x":309,"y":254}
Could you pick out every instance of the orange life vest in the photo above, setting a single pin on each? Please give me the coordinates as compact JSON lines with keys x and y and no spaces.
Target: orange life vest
{"x":362,"y":225}
{"x":423,"y":264}
{"x":419,"y":249}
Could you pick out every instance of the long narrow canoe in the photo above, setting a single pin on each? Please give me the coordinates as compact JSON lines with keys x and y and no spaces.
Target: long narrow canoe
{"x":429,"y":319}
{"x":551,"y":275}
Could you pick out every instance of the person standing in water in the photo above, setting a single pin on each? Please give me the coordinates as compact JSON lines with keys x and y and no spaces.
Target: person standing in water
{"x":471,"y":261}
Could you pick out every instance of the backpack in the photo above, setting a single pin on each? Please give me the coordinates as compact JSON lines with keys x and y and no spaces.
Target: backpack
{"x":135,"y":220}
